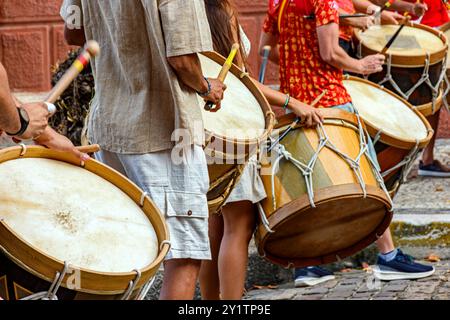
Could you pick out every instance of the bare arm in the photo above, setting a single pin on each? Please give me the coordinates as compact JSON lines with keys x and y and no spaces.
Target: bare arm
{"x":417,"y":9}
{"x":189,"y":71}
{"x":9,"y":117}
{"x":333,"y":54}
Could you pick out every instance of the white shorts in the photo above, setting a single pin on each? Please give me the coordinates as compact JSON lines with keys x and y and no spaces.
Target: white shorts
{"x":250,"y":187}
{"x":179,"y":191}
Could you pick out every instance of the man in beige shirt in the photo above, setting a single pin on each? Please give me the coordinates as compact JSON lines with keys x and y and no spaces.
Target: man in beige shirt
{"x":147,"y":79}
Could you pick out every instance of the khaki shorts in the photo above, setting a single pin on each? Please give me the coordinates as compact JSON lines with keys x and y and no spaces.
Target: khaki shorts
{"x":178,"y":190}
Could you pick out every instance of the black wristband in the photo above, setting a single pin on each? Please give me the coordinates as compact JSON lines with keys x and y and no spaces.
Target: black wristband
{"x":23,"y":124}
{"x":205,"y":94}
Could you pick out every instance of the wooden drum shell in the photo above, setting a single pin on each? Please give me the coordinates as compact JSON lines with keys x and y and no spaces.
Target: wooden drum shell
{"x":343,"y":222}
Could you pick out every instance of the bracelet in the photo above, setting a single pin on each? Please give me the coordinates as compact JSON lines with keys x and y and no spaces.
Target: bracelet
{"x":23,"y":124}
{"x":288,"y":99}
{"x":205,"y":94}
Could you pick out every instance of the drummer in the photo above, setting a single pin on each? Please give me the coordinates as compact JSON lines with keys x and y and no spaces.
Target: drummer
{"x":435,"y":15}
{"x":146,"y":87}
{"x":319,"y":62}
{"x":29,"y":121}
{"x":231,"y":232}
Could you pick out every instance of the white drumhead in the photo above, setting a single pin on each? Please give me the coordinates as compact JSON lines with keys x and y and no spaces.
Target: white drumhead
{"x":382,"y":110}
{"x":410,"y":42}
{"x":76,"y":216}
{"x":241,"y":116}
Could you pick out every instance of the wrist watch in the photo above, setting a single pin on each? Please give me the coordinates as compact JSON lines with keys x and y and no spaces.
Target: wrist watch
{"x":24,"y":122}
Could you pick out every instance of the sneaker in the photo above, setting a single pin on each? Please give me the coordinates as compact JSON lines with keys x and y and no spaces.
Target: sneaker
{"x":402,"y":267}
{"x":436,"y":169}
{"x":312,"y":276}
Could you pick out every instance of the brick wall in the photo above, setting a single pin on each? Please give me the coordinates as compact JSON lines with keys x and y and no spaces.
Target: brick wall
{"x":31,"y":40}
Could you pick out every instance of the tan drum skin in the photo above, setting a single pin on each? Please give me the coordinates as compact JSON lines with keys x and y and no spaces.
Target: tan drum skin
{"x":399,"y":132}
{"x":343,"y":222}
{"x":244,"y":107}
{"x":39,"y":267}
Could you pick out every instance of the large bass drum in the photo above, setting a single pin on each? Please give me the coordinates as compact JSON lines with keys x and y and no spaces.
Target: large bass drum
{"x":234,"y":133}
{"x":415,"y":63}
{"x":326,"y":200}
{"x":399,"y":131}
{"x":71,"y":230}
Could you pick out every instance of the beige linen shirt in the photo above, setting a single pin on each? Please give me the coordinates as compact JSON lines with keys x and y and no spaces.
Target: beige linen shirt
{"x":139,"y":101}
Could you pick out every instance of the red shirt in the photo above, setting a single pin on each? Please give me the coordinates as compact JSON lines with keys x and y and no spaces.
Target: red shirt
{"x":303,"y":73}
{"x":347,"y":7}
{"x":436,"y":15}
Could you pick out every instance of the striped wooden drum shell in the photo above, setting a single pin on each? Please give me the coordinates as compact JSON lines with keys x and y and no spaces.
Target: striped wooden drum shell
{"x":398,"y":129}
{"x":82,"y":226}
{"x":235,"y":132}
{"x":343,"y":221}
{"x":417,"y":52}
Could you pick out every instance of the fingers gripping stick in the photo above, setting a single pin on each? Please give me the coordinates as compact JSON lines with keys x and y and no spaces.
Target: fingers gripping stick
{"x":91,"y":50}
{"x":224,"y":72}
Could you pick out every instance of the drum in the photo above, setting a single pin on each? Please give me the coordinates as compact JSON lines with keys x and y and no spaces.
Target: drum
{"x":416,"y":61}
{"x":74,"y":231}
{"x":398,"y":130}
{"x":234,"y":133}
{"x":326,"y":200}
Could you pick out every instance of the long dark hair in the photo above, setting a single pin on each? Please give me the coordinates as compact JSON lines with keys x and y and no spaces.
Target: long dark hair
{"x":222,"y":15}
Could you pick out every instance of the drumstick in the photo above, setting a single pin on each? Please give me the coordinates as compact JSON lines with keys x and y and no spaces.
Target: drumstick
{"x":342,"y":16}
{"x":296,"y":122}
{"x":224,"y":72}
{"x":91,"y":50}
{"x":386,"y":6}
{"x":265,"y":61}
{"x":89,"y":149}
{"x":392,"y":39}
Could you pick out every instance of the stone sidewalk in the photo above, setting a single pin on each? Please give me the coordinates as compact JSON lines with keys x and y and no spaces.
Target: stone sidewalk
{"x":361,"y":285}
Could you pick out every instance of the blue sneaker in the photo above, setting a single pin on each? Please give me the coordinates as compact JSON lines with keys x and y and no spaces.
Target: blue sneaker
{"x":402,"y":267}
{"x":311,"y":276}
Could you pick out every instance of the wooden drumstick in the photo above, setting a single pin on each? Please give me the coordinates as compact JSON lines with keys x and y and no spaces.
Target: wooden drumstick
{"x":296,"y":122}
{"x":265,"y":61}
{"x":89,"y":149}
{"x":394,"y":37}
{"x":224,"y":72}
{"x":91,"y":50}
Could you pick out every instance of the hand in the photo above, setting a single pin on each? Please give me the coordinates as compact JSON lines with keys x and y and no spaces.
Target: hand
{"x":371,"y":64}
{"x":38,"y":115}
{"x":419,"y":9}
{"x":391,"y":17}
{"x":362,"y":22}
{"x":217,"y":90}
{"x":53,"y":140}
{"x":310,"y":116}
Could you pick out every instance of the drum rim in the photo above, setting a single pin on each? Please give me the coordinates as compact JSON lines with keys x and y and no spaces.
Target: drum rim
{"x":415,"y":61}
{"x":92,"y":281}
{"x":392,"y":139}
{"x":329,"y":193}
{"x":269,"y":115}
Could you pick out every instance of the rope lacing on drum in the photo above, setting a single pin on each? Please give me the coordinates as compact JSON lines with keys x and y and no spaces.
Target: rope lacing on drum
{"x":406,"y":162}
{"x":425,"y":78}
{"x":56,"y":284}
{"x":263,"y":217}
{"x":132,"y":285}
{"x":145,"y":289}
{"x":325,"y":142}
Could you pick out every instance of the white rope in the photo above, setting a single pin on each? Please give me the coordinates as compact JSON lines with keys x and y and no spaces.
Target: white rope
{"x":142,"y":201}
{"x":165,"y":242}
{"x":131,"y":286}
{"x":24,"y":149}
{"x":263,"y":217}
{"x":145,"y":289}
{"x":51,"y":294}
{"x":405,"y":162}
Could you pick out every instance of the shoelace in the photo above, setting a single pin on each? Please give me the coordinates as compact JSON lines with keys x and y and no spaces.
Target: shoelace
{"x":405,"y":258}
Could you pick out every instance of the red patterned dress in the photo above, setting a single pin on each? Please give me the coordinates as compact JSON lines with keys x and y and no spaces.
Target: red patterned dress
{"x":303,"y":73}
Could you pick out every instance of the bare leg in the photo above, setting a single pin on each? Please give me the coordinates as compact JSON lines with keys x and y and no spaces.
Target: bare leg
{"x":428,"y":152}
{"x":209,"y":272}
{"x":180,"y":278}
{"x":386,"y":244}
{"x":239,"y":223}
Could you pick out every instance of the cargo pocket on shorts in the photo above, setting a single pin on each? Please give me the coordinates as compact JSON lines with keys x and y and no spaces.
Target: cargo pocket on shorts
{"x":188,"y":220}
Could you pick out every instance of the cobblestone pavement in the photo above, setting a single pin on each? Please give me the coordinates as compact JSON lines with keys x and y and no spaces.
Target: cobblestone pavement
{"x":361,"y":285}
